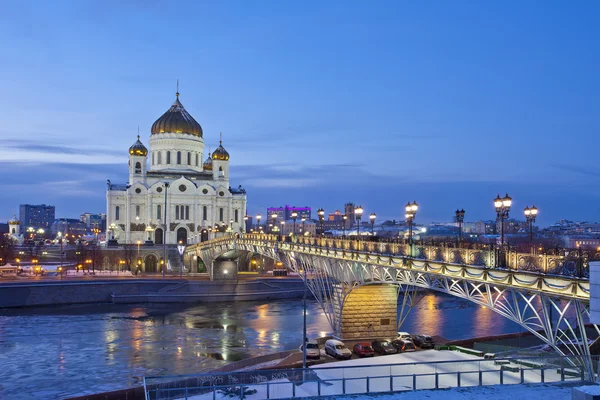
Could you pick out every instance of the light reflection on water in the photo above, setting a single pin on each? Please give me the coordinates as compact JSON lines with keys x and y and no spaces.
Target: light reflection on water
{"x":73,"y":350}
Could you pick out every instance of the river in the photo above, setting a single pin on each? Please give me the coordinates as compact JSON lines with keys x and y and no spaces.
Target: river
{"x":57,"y":352}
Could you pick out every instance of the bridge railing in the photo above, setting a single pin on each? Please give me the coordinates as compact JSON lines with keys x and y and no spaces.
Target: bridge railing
{"x":564,"y":262}
{"x":365,"y":379}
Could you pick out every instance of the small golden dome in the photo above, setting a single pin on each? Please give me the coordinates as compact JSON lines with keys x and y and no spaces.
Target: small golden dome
{"x":177,"y":120}
{"x":138,"y":148}
{"x":14,"y":221}
{"x":208,"y":165}
{"x":220,"y":153}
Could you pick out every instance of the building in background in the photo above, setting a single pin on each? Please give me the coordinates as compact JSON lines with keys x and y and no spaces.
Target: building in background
{"x":39,"y":216}
{"x":310,"y":228}
{"x":94,"y":221}
{"x":69,"y":226}
{"x":285,"y":213}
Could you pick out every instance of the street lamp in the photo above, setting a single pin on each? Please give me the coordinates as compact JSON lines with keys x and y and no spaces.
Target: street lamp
{"x":321,"y":214}
{"x":530,"y":214}
{"x":294,"y":215}
{"x":282,"y":233}
{"x":245,"y":221}
{"x":273,"y":225}
{"x":411,"y":213}
{"x":231,"y":225}
{"x":502,"y":206}
{"x":372,"y":217}
{"x":181,"y":248}
{"x":344,"y":219}
{"x":138,"y":257}
{"x":303,"y":221}
{"x":358,"y":212}
{"x":165,"y":231}
{"x":258,"y":217}
{"x":460,"y":217}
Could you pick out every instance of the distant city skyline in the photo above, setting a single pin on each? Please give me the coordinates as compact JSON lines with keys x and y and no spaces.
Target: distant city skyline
{"x":376,"y":104}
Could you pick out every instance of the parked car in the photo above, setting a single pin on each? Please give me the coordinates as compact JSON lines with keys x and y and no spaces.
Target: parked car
{"x":423,"y":341}
{"x":404,"y":336}
{"x":312,"y":350}
{"x":403,"y":346}
{"x":337,"y":349}
{"x":363,"y":349}
{"x":384,"y":347}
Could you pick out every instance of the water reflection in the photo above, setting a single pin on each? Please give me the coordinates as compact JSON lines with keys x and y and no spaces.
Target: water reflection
{"x":49,"y":352}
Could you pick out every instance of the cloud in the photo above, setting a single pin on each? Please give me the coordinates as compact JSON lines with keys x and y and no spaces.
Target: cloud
{"x":577,"y":169}
{"x":37,"y":147}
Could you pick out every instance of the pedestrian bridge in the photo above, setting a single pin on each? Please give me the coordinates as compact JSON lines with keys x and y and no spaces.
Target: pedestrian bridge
{"x":367,"y":288}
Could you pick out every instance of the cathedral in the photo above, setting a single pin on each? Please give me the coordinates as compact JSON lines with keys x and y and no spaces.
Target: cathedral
{"x":174,"y":195}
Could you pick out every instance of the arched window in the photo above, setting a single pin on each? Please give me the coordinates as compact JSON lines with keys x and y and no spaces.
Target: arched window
{"x":159,"y":157}
{"x":205,"y":213}
{"x":137,"y":211}
{"x":176,"y":212}
{"x":168,"y":157}
{"x":221,"y":214}
{"x":236,"y":216}
{"x":187,"y":212}
{"x":152,"y":158}
{"x":158,"y":212}
{"x":138,"y":168}
{"x":196,"y":159}
{"x":117,"y":213}
{"x":178,"y":157}
{"x":189,"y":158}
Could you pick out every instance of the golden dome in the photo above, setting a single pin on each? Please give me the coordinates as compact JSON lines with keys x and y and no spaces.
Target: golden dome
{"x":207,"y":166}
{"x":177,"y":120}
{"x":220,"y":153}
{"x":14,"y":221}
{"x":138,"y":148}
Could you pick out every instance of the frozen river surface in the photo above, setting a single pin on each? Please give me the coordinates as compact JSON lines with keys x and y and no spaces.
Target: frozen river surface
{"x":57,"y":352}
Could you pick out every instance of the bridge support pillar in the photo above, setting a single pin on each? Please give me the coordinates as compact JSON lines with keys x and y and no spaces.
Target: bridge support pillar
{"x":369,"y":312}
{"x":224,"y":270}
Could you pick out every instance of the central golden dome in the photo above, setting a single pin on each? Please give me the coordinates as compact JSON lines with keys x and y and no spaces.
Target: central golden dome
{"x":177,"y":120}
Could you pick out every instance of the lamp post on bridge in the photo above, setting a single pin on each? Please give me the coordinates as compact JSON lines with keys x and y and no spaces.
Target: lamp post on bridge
{"x":502,"y":206}
{"x":282,"y":233}
{"x":294,"y":215}
{"x":258,"y":217}
{"x":358,"y":212}
{"x":411,"y":212}
{"x":460,"y":218}
{"x":372,"y":217}
{"x":273,"y":222}
{"x":246,"y":221}
{"x":321,"y":214}
{"x":530,"y":214}
{"x":344,"y":219}
{"x":302,"y":229}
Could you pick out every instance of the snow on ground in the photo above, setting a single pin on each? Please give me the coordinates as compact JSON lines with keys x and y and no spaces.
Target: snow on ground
{"x":528,"y":391}
{"x":254,"y":367}
{"x":399,"y":372}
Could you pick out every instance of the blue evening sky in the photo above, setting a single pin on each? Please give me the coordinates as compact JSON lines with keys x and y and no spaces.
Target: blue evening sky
{"x":376,"y":102}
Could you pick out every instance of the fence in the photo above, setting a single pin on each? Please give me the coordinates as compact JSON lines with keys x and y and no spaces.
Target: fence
{"x":293,"y":383}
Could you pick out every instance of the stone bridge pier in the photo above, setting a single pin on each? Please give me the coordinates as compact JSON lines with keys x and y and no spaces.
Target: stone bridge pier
{"x":369,"y":312}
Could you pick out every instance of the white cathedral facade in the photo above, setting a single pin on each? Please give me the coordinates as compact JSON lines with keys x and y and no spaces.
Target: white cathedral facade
{"x":172,"y":194}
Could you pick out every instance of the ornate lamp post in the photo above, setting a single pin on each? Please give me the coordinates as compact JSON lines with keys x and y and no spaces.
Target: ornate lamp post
{"x":245,"y":221}
{"x":294,"y":215}
{"x":61,"y":250}
{"x":344,"y":219}
{"x":358,"y":212}
{"x":282,"y":233}
{"x":372,"y":217}
{"x":502,"y":206}
{"x":411,"y":213}
{"x":460,"y":217}
{"x":231,"y":226}
{"x":165,"y":232}
{"x":321,"y":214}
{"x":530,"y":214}
{"x":303,"y":221}
{"x":274,"y":222}
{"x":258,"y":217}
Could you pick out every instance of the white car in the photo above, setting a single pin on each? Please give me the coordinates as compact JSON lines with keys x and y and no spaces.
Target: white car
{"x":404,"y":336}
{"x":337,"y":349}
{"x":312,"y":350}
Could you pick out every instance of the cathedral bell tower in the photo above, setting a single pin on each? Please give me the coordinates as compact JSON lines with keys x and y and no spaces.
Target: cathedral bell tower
{"x":138,"y":154}
{"x":220,"y":163}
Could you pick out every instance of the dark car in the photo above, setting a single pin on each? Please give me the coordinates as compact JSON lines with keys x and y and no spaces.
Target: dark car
{"x":403,"y":345}
{"x":363,"y":349}
{"x":424,"y":341}
{"x":384,"y":347}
